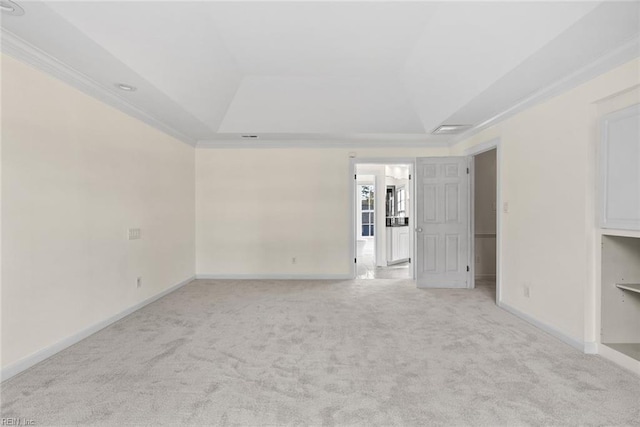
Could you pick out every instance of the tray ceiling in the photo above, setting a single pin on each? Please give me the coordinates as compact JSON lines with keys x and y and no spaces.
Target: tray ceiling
{"x":323,"y":70}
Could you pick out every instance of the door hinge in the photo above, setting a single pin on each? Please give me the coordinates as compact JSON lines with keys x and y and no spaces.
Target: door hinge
{"x":467,"y":268}
{"x":467,"y":171}
{"x":355,"y":176}
{"x":409,"y":259}
{"x":355,"y":260}
{"x":409,"y":176}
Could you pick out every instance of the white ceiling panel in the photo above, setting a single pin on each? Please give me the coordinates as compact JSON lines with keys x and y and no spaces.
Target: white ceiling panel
{"x":599,"y":34}
{"x":292,"y":104}
{"x":174,"y":46}
{"x":468,"y":46}
{"x":321,"y":38}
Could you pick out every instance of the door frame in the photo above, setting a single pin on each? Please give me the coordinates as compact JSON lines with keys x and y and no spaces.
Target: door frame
{"x":472,"y":152}
{"x":353,"y":162}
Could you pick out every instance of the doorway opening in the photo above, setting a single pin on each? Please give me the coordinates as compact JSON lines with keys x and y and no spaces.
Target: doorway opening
{"x":484,"y":220}
{"x":383,"y":236}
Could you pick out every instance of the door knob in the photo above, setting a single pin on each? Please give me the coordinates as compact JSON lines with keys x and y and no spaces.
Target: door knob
{"x":419,"y":229}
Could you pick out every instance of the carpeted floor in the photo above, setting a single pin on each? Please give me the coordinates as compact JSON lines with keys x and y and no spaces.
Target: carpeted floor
{"x":364,"y":352}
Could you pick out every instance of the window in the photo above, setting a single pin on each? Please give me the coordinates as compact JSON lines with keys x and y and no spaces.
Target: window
{"x":402,"y":201}
{"x":367,"y":194}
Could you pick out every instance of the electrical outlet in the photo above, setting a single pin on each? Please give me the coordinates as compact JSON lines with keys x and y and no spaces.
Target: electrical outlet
{"x":505,"y":207}
{"x":294,"y":260}
{"x":139,"y":282}
{"x":134,"y":234}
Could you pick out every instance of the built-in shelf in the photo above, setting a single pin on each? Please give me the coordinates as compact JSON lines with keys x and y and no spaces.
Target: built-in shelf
{"x":620,"y":295}
{"x":633,"y":287}
{"x":621,"y":233}
{"x":485,"y":235}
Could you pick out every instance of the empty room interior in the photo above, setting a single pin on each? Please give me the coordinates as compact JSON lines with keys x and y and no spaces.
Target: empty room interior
{"x":320,"y":213}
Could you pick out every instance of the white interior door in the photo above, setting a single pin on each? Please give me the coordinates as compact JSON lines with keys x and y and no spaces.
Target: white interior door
{"x":442,"y":222}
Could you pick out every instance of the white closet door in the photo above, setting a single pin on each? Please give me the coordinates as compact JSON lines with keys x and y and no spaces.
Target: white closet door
{"x":442,"y":223}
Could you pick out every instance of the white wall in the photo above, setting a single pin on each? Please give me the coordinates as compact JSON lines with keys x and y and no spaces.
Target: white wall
{"x":485,"y":214}
{"x":76,"y":174}
{"x":548,"y":180}
{"x":278,"y":204}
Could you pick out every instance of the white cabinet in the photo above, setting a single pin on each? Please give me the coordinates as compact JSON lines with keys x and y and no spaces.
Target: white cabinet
{"x":398,"y":244}
{"x":403,"y":243}
{"x":620,"y":169}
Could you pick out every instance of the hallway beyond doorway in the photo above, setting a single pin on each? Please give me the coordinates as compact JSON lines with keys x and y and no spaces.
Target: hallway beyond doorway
{"x":367,"y":266}
{"x":382,"y":209}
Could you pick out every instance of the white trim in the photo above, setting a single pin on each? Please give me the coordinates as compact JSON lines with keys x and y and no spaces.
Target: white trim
{"x":471,"y":253}
{"x":327,"y":142}
{"x":273,"y":276}
{"x":37,"y":357}
{"x":385,"y":161}
{"x":353,"y":221}
{"x":606,"y":62}
{"x":499,"y":219}
{"x":16,"y":47}
{"x":577,"y":344}
{"x":591,"y":347}
{"x":619,"y":358}
{"x":483,"y":147}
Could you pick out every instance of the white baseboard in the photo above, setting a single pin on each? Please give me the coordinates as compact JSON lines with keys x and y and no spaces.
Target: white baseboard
{"x":577,"y":344}
{"x":45,"y":353}
{"x":274,"y":276}
{"x":621,"y":359}
{"x":590,"y":347}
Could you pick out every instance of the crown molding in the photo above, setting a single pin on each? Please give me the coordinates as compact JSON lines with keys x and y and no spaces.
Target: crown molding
{"x":624,"y":53}
{"x":21,"y":50}
{"x":304,"y":143}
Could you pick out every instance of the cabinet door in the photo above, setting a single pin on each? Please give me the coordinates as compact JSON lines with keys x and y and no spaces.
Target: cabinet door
{"x":620,"y":166}
{"x":403,"y":243}
{"x":392,"y":244}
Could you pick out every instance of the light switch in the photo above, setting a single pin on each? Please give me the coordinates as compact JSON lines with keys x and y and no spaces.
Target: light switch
{"x":134,"y":234}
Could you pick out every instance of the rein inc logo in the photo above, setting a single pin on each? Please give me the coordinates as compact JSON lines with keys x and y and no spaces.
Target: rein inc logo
{"x":17,"y":422}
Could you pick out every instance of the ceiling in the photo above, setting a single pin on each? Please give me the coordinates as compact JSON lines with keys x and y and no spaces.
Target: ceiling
{"x":329,"y":71}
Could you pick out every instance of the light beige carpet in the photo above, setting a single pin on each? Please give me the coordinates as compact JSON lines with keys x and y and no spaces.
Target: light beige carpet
{"x":368,"y":352}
